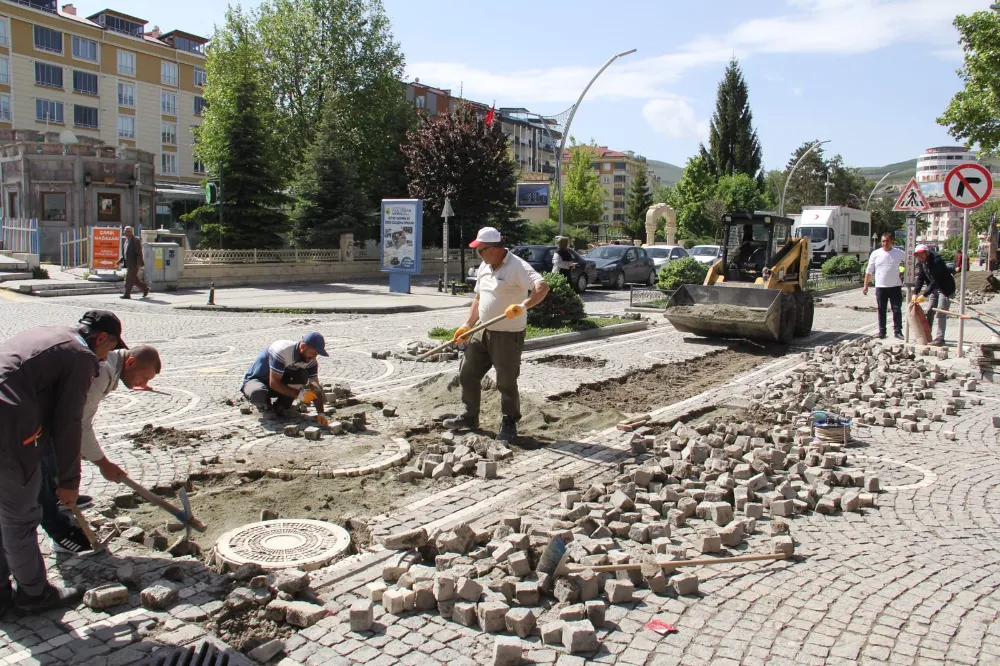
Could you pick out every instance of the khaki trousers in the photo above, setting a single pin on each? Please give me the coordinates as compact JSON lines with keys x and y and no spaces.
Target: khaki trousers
{"x":492,"y":349}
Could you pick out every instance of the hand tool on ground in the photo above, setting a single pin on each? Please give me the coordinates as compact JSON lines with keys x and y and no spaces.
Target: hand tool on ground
{"x":186,"y":503}
{"x":182,"y":515}
{"x":450,"y":343}
{"x":704,"y":562}
{"x":971,"y":318}
{"x":95,"y":543}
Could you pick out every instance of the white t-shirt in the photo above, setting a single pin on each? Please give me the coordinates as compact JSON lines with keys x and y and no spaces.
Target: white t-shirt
{"x":507,"y":285}
{"x":885,"y":266}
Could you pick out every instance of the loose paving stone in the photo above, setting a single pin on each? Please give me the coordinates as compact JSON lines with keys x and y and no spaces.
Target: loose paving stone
{"x":520,"y":621}
{"x":506,"y":651}
{"x":362,"y":615}
{"x":579,"y":637}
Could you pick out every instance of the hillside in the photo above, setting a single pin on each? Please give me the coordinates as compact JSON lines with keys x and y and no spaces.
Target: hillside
{"x":668,"y":173}
{"x":906,"y":170}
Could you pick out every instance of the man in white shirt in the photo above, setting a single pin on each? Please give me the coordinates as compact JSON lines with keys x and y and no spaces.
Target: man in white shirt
{"x":884,"y":264}
{"x":503,"y":283}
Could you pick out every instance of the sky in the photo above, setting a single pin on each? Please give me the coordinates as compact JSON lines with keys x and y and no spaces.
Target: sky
{"x":870,"y":76}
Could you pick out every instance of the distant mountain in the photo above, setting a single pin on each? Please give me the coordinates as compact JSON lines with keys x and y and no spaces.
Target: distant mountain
{"x":668,"y":173}
{"x":904,"y":171}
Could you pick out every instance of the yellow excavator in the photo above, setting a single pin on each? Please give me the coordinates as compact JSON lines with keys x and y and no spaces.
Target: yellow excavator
{"x":757,"y":290}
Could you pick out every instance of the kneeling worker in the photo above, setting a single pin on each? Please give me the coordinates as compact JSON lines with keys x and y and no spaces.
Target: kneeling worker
{"x":282,"y":371}
{"x":503,"y":282}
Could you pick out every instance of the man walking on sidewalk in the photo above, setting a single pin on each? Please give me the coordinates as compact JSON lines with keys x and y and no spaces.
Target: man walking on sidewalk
{"x":132,"y":259}
{"x":503,"y":282}
{"x":933,"y":272}
{"x":884,"y":263}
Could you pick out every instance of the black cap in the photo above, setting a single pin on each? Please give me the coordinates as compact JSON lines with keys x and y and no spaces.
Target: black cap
{"x":104,"y":322}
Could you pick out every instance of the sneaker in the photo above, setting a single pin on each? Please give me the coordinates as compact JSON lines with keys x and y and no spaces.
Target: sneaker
{"x":461,"y":422}
{"x":73,"y":543}
{"x":52,"y":596}
{"x":82,"y":502}
{"x":881,"y":335}
{"x":508,"y":429}
{"x":898,"y":336}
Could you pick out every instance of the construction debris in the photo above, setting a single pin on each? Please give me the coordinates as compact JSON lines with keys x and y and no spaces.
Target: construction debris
{"x":455,"y":455}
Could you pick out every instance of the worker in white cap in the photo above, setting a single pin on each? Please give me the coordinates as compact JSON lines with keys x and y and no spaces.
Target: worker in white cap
{"x":936,"y":284}
{"x":505,"y":284}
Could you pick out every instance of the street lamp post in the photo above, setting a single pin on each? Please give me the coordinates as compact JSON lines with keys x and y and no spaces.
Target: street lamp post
{"x":781,"y":203}
{"x":872,"y":193}
{"x":562,"y":143}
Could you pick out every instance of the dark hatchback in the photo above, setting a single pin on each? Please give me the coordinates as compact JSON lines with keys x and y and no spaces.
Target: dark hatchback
{"x":621,"y":264}
{"x":540,"y":257}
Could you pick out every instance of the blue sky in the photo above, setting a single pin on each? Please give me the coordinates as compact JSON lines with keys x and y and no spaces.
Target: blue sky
{"x":870,"y":75}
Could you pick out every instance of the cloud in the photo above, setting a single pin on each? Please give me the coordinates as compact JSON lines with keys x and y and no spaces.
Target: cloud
{"x":797,"y":92}
{"x":675,"y":119}
{"x":950,"y":55}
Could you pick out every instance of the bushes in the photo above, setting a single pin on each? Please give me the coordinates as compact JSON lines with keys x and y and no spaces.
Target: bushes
{"x":842,"y":265}
{"x":544,"y":233}
{"x":948,"y":255}
{"x":561,"y":306}
{"x":682,"y":271}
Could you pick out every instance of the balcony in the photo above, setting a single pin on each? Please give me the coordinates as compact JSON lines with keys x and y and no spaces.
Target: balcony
{"x":44,"y":5}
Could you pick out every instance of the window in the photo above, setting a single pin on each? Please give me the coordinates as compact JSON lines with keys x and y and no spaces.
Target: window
{"x":126,"y":94}
{"x":84,"y":49}
{"x":420,"y":101}
{"x":120,"y":25}
{"x":5,"y":108}
{"x":168,"y":103}
{"x":860,"y":228}
{"x":126,"y":127}
{"x":620,"y":205}
{"x":85,"y":82}
{"x":199,"y":166}
{"x":4,"y":41}
{"x":168,"y":163}
{"x":200,"y":78}
{"x":619,"y":217}
{"x":169,"y":133}
{"x":199,"y":105}
{"x":84,"y":116}
{"x":5,"y":71}
{"x":191,"y":46}
{"x":53,"y":205}
{"x":48,"y":40}
{"x":126,"y":63}
{"x":48,"y":111}
{"x":109,"y":207}
{"x":48,"y":75}
{"x":168,"y":73}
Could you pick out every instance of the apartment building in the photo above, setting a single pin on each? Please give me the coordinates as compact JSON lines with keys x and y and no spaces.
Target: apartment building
{"x":945,"y":220}
{"x":616,"y":170}
{"x":107,"y":77}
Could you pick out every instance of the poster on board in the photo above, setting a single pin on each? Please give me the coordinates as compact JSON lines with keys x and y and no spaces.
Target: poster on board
{"x":400,"y":243}
{"x":105,"y":247}
{"x":532,"y":195}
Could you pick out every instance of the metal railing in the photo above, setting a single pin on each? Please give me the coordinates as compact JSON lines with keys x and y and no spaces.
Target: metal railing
{"x":260,"y":256}
{"x":20,"y":235}
{"x":649,"y":297}
{"x":822,"y":282}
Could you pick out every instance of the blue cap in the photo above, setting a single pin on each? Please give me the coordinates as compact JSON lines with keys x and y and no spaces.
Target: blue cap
{"x":316,"y":341}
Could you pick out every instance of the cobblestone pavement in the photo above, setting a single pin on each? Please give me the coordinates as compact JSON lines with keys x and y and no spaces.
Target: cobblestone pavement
{"x":911,"y":581}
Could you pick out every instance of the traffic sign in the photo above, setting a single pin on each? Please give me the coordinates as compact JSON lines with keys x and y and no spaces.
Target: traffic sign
{"x":912,"y":199}
{"x":911,"y":243}
{"x":968,"y":185}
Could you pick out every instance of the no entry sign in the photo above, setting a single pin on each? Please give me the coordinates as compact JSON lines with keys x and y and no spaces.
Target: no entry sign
{"x":968,"y":185}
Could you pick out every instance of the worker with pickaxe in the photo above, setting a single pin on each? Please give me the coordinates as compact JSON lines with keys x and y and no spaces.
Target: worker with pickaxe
{"x":286,"y":371}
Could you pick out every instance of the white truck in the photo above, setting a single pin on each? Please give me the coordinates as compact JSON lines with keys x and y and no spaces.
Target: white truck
{"x":834,"y":231}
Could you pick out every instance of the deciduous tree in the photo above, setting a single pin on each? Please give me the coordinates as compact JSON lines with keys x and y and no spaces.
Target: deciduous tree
{"x":689,"y":198}
{"x":973,"y":116}
{"x":583,"y":194}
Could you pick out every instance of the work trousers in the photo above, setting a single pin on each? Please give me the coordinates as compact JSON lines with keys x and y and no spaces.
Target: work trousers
{"x":884,"y":296}
{"x":20,"y":515}
{"x":54,"y":521}
{"x":938,"y":301}
{"x":260,"y":394}
{"x":492,"y":349}
{"x":132,"y":279}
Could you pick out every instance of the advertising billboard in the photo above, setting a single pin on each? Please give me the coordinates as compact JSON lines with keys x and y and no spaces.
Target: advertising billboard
{"x":402,"y":223}
{"x":533,"y":195}
{"x":105,"y":247}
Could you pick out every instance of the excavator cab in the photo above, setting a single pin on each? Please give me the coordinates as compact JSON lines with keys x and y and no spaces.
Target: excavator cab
{"x":751,"y":244}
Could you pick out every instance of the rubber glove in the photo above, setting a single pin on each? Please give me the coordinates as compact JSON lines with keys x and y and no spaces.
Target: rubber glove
{"x":306,"y":396}
{"x":514,"y":311}
{"x":322,"y":420}
{"x":919,"y":299}
{"x":461,"y":335}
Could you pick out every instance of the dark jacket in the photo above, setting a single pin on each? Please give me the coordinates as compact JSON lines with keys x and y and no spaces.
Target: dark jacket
{"x":45,"y":374}
{"x":936,"y":275}
{"x":132,"y":252}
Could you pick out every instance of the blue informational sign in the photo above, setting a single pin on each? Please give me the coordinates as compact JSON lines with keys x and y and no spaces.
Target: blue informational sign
{"x":401,"y":240}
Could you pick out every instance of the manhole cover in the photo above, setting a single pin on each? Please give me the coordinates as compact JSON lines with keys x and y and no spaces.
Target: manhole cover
{"x":283,"y":544}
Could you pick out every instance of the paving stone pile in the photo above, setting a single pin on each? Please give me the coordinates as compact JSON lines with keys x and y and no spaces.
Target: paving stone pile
{"x":415,"y":349}
{"x":456,"y":455}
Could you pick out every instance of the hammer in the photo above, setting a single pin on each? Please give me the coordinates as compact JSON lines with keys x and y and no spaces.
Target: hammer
{"x":95,"y":543}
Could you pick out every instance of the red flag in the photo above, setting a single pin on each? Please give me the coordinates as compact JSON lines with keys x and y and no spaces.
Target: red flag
{"x":489,"y":116}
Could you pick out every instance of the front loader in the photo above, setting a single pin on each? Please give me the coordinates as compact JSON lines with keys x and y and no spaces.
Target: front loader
{"x":757,"y":290}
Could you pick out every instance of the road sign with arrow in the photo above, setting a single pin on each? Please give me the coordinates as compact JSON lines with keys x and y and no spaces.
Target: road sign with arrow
{"x":968,"y":185}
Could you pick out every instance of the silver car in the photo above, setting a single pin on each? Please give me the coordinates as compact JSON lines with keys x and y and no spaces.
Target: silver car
{"x":664,"y":254}
{"x":706,"y":254}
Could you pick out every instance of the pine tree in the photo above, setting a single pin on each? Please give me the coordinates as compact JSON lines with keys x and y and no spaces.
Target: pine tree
{"x":328,"y":200}
{"x":638,"y":202}
{"x":733,"y":146}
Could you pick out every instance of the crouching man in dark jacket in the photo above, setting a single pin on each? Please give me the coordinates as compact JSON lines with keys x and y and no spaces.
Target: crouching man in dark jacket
{"x":45,"y":374}
{"x":937,"y":283}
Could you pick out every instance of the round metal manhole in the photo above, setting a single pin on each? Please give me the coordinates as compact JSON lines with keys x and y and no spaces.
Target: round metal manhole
{"x":283,"y":544}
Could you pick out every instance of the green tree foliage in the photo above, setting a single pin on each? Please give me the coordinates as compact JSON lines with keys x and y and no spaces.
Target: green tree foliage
{"x":562,"y":306}
{"x":545,"y":232}
{"x":739,"y":193}
{"x":850,"y":188}
{"x":979,"y":220}
{"x":954,"y":243}
{"x":884,"y":218}
{"x":583,"y":194}
{"x":327,"y":199}
{"x":733,"y":146}
{"x":238,"y":141}
{"x":661,"y":193}
{"x":460,"y":157}
{"x":682,"y":271}
{"x":973,"y":115}
{"x":637,"y":203}
{"x":842,"y":265}
{"x":771,"y":189}
{"x":689,"y":199}
{"x":808,"y":184}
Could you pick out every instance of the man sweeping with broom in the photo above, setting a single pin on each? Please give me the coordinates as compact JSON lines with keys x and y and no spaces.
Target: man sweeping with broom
{"x":938,"y":285}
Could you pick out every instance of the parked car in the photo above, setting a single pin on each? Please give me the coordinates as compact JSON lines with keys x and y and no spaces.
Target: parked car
{"x":540,"y":257}
{"x":664,"y":254}
{"x":706,"y":254}
{"x":620,"y":264}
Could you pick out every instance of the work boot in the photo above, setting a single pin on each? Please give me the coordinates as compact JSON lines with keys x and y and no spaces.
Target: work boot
{"x":52,"y":596}
{"x":898,"y":335}
{"x":461,"y":422}
{"x":508,"y":429}
{"x":145,"y":293}
{"x":881,"y":335}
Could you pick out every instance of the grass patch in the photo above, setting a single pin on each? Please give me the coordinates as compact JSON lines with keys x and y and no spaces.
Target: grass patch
{"x":587,"y":324}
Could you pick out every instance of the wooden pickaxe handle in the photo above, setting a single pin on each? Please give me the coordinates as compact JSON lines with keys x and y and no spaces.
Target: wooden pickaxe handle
{"x":474,"y":329}
{"x":704,"y":562}
{"x":81,"y":520}
{"x":152,"y":498}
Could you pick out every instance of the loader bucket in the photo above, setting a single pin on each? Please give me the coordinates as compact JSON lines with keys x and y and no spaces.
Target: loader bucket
{"x":723,"y":311}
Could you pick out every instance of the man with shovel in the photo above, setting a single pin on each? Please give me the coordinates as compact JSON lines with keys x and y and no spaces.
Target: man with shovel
{"x":503,"y":282}
{"x":45,"y":374}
